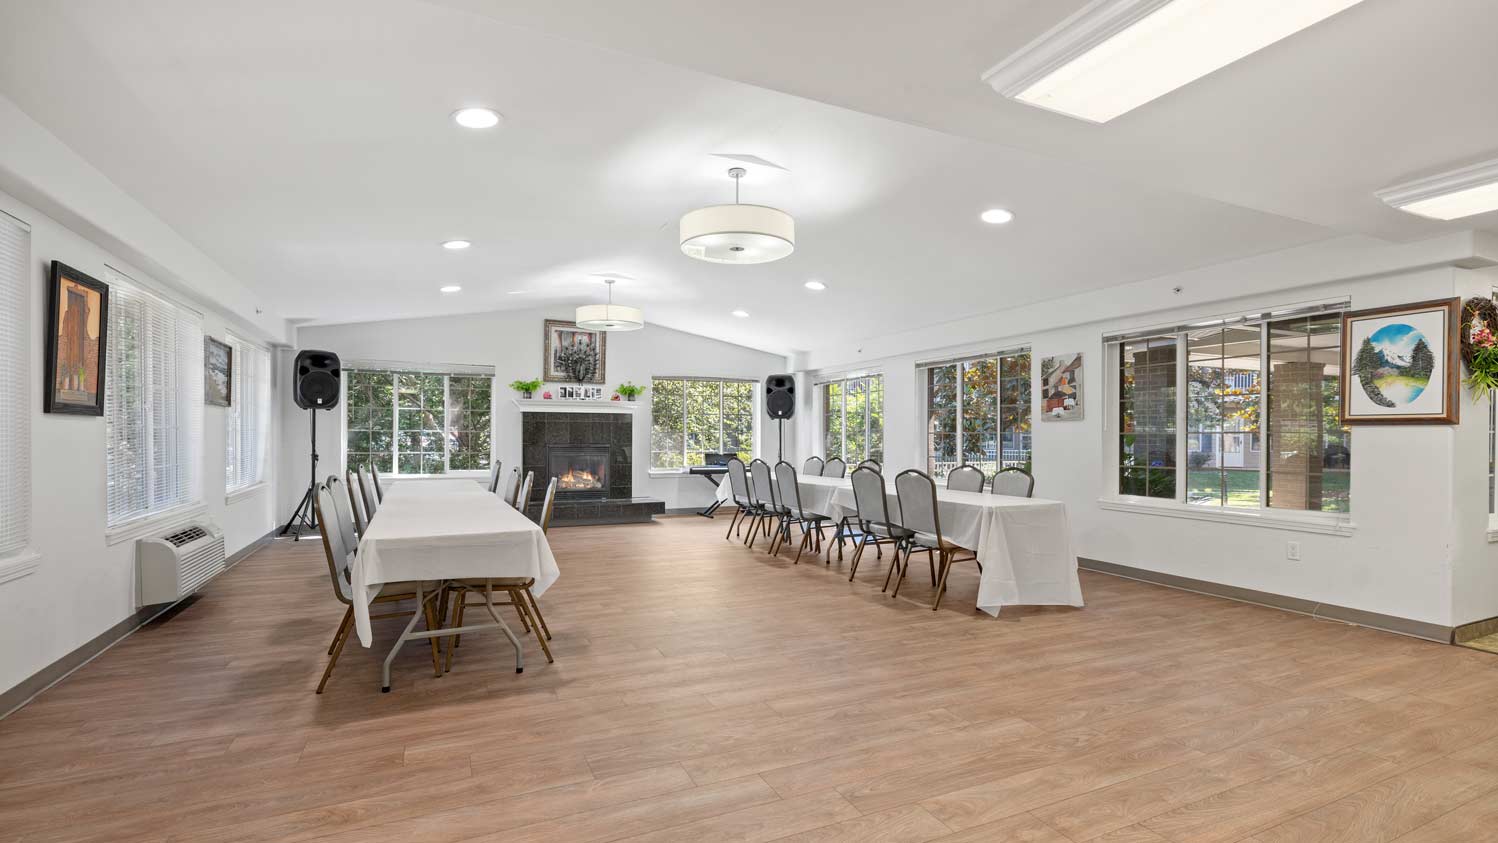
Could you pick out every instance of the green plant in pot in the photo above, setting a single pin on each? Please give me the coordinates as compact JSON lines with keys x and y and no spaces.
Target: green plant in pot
{"x":526,"y":388}
{"x":630,"y":391}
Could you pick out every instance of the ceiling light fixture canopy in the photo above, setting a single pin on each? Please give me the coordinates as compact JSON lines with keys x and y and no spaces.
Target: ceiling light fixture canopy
{"x":996,"y":216}
{"x":815,"y":285}
{"x":455,"y":245}
{"x":609,"y":317}
{"x":741,"y":234}
{"x":452,"y":288}
{"x":1448,"y":196}
{"x":1113,"y":56}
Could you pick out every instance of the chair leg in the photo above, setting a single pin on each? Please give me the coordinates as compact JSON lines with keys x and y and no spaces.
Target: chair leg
{"x":904,"y":567}
{"x":337,"y":649}
{"x":736,"y":513}
{"x":519,"y":600}
{"x":348,"y":616}
{"x":753,"y":531}
{"x":941,"y":587}
{"x":525,"y":623}
{"x":536,"y":611}
{"x":429,"y":611}
{"x":805,"y":540}
{"x":857,"y":555}
{"x":457,"y":620}
{"x":931,"y":563}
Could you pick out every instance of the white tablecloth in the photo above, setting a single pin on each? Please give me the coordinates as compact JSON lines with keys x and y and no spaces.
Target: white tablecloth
{"x":446,"y":529}
{"x":1023,"y":543}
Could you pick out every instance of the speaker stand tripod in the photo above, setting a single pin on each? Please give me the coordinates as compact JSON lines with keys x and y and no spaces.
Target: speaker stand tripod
{"x":305,"y":515}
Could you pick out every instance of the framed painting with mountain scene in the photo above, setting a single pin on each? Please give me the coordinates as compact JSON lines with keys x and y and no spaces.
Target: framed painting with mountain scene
{"x":1401,"y":364}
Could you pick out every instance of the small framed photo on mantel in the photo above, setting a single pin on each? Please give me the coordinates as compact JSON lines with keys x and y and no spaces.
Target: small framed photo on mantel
{"x":1401,"y":365}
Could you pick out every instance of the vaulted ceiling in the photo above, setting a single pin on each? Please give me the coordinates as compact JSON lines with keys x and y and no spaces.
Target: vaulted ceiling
{"x":307,"y":147}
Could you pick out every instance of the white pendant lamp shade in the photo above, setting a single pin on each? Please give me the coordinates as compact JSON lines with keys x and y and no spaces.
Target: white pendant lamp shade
{"x":741,"y":234}
{"x":609,"y":317}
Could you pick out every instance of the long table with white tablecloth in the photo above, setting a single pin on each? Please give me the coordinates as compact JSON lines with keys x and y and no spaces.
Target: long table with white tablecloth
{"x":1024,"y":543}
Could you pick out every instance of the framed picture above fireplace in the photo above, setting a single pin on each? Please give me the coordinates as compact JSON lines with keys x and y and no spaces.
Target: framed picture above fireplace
{"x":570,"y":351}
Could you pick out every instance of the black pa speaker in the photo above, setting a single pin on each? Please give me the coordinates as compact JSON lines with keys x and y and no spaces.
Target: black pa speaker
{"x":314,"y":380}
{"x":780,"y":396}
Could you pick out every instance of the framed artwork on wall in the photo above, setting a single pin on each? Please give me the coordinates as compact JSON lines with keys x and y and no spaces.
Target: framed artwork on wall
{"x":1061,"y":387}
{"x":1401,"y":364}
{"x":573,"y":354}
{"x":77,"y":335}
{"x":218,"y":372}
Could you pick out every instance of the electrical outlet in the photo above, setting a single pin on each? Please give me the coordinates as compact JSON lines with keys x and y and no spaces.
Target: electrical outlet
{"x":1292,"y":551}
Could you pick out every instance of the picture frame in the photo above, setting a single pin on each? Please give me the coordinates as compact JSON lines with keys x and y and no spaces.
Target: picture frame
{"x":218,"y":372}
{"x":1401,"y":364}
{"x":1061,"y":387}
{"x":76,"y":342}
{"x":579,"y":393}
{"x":560,"y":334}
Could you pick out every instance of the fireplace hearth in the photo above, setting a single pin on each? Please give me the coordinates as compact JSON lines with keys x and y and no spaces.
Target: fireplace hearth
{"x":582,"y":471}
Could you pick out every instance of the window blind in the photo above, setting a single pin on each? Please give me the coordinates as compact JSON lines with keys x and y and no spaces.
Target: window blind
{"x":247,"y":424}
{"x":153,"y":403}
{"x":1221,"y":322}
{"x":969,"y":358}
{"x":15,"y":408}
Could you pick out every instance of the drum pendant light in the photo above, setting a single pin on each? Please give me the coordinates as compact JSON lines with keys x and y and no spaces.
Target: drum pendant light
{"x":609,"y":317}
{"x":742,"y":234}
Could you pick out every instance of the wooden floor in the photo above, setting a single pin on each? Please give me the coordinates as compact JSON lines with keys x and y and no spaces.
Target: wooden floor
{"x":705,"y":692}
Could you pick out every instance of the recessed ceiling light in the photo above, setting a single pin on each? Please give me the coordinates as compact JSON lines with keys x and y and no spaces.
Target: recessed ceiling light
{"x":452,"y":288}
{"x":516,"y":292}
{"x":456,"y":245}
{"x":1116,"y":55}
{"x":996,"y":216}
{"x":476,"y":118}
{"x":742,"y":314}
{"x":815,"y":285}
{"x":1448,"y":196}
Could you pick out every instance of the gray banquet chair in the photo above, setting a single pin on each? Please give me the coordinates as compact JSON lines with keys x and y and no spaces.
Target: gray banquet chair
{"x":813,"y":467}
{"x":916,"y":492}
{"x":871,"y":501}
{"x":835,"y":467}
{"x":965,"y":478}
{"x":1014,"y":481}
{"x":790,"y":498}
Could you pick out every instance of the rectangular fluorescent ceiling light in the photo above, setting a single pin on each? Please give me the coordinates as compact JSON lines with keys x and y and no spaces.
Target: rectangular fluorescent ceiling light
{"x":1116,"y":55}
{"x":1448,"y":196}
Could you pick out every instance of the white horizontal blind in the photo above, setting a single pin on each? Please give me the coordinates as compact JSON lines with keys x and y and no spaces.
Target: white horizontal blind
{"x":969,"y":358}
{"x":153,"y":403}
{"x":1227,"y":321}
{"x":247,"y":424}
{"x":15,"y":409}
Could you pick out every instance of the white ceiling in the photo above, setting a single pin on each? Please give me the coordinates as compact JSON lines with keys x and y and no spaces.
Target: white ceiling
{"x":307,"y":147}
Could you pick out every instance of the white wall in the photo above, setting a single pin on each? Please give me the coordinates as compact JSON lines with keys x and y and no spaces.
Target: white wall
{"x":83,"y":586}
{"x":1419,"y":499}
{"x":511,"y":341}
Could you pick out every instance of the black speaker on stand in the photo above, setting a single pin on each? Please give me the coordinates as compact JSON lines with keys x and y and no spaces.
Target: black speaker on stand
{"x":780,"y":404}
{"x":315,"y":378}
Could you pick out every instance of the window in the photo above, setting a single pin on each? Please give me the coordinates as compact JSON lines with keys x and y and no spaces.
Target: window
{"x":15,"y":390}
{"x":853,"y":419}
{"x":247,"y":422}
{"x":1247,"y":441}
{"x":411,"y":423}
{"x":153,"y":404}
{"x":691,"y":417}
{"x":978,"y":412}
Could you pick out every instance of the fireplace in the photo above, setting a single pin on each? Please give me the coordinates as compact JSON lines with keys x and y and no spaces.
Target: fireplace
{"x":582,"y":471}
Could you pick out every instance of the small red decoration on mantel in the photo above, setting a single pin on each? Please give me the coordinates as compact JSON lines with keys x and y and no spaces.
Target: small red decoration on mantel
{"x":546,"y":395}
{"x":615,"y":398}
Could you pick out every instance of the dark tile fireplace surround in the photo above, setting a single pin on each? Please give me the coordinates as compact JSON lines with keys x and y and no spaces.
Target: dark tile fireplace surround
{"x":553,"y":443}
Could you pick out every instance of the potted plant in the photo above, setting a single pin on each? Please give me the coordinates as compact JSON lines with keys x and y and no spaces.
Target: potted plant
{"x":525,"y":388}
{"x":629,"y":390}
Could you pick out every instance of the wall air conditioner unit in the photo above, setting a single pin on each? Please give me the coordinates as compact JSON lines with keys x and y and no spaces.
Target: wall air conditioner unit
{"x":177,"y":563}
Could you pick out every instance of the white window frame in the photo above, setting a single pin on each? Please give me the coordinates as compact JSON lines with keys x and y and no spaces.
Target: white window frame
{"x":251,"y":392}
{"x":190,"y":392}
{"x":447,"y":373}
{"x":868,"y":424}
{"x":923,"y":384}
{"x":15,"y":387}
{"x":754,"y":419}
{"x":1329,"y":523}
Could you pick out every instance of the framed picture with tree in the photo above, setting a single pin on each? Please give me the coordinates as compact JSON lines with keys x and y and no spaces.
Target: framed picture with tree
{"x":1401,"y":364}
{"x":573,"y":354}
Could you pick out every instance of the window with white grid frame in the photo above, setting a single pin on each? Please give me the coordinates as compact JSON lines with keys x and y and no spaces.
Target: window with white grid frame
{"x":1256,"y":426}
{"x":853,"y":419}
{"x":978,"y":412}
{"x":247,"y":420}
{"x":153,"y":403}
{"x":693,"y":417}
{"x":416,"y":423}
{"x":15,"y":407}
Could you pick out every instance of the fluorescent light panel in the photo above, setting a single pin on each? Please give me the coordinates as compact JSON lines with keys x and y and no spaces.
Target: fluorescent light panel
{"x":1116,"y":55}
{"x":1448,"y":196}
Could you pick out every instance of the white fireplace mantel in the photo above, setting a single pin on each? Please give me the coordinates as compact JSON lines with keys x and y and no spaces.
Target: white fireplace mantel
{"x":556,"y":405}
